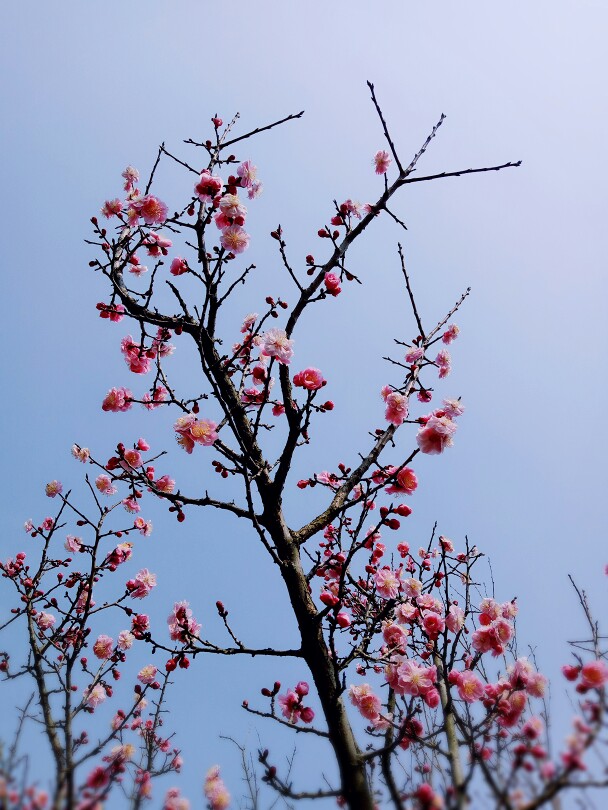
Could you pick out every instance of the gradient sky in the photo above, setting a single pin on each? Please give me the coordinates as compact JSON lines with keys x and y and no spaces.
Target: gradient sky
{"x":92,"y":87}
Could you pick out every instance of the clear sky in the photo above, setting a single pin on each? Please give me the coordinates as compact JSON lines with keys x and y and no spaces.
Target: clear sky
{"x":91,"y":87}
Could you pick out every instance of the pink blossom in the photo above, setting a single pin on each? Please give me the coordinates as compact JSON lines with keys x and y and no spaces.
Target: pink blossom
{"x":104,"y":485}
{"x":131,"y":505}
{"x":332,"y":284}
{"x":53,"y":488}
{"x":433,"y":623}
{"x":178,"y":266}
{"x":147,"y":674}
{"x":182,"y":624}
{"x":191,"y":431}
{"x":73,"y":544}
{"x":157,"y":245}
{"x":215,"y":790}
{"x":111,"y":208}
{"x":47,"y":524}
{"x":309,"y":378}
{"x":291,"y":705}
{"x":131,"y":176}
{"x":364,"y":699}
{"x":255,"y":189}
{"x":159,"y":394}
{"x":165,"y":484}
{"x":405,"y":481}
{"x":394,"y":635}
{"x":117,"y":400}
{"x":234,"y":239}
{"x":80,"y":453}
{"x":470,"y":688}
{"x":143,"y":526}
{"x":436,"y":435}
{"x":275,"y":343}
{"x":396,"y":408}
{"x":594,"y":674}
{"x":125,"y":640}
{"x":208,"y":186}
{"x":143,"y":583}
{"x":94,"y":696}
{"x":409,"y":678}
{"x":450,"y":334}
{"x":112,"y":312}
{"x":382,"y":160}
{"x":388,"y":583}
{"x":173,"y":801}
{"x":232,"y":208}
{"x":103,"y":647}
{"x":135,"y":267}
{"x":452,"y":408}
{"x":412,"y":587}
{"x":415,"y":354}
{"x":455,"y":619}
{"x":149,"y":208}
{"x":131,"y":460}
{"x":443,"y":361}
{"x":136,"y":357}
{"x":45,"y":620}
{"x":247,"y":172}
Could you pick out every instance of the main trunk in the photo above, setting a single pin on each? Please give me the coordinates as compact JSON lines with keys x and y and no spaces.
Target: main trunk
{"x":354,"y":784}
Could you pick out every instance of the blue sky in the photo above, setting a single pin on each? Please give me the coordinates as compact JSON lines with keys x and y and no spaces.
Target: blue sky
{"x":91,"y":89}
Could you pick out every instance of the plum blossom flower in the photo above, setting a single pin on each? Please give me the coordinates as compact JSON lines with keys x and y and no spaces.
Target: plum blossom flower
{"x":450,"y":334}
{"x":125,"y":640}
{"x":208,"y":186}
{"x":53,"y":488}
{"x":396,"y":407}
{"x":45,"y":620}
{"x":165,"y":484}
{"x":143,"y":583}
{"x":594,"y":674}
{"x":452,"y":408}
{"x":94,"y":696}
{"x":215,"y":790}
{"x":131,"y":177}
{"x":234,"y":239}
{"x":434,"y":436}
{"x":332,"y":284}
{"x":444,"y":363}
{"x":405,"y":482}
{"x":149,"y":208}
{"x":382,"y":160}
{"x":104,"y":484}
{"x":407,"y":677}
{"x":232,"y":208}
{"x":248,"y":173}
{"x":81,"y":454}
{"x":103,"y":647}
{"x":157,"y":245}
{"x":364,"y":699}
{"x":470,"y":688}
{"x":111,"y":208}
{"x":178,"y":266}
{"x":309,"y":378}
{"x":182,"y":624}
{"x":147,"y":674}
{"x":388,"y":582}
{"x":73,"y":544}
{"x":191,"y":431}
{"x":415,"y":354}
{"x":153,"y":400}
{"x":275,"y":343}
{"x":117,"y":400}
{"x":143,"y":526}
{"x":131,"y":505}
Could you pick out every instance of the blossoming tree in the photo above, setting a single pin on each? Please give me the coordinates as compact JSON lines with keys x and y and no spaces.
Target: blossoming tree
{"x":423,"y":700}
